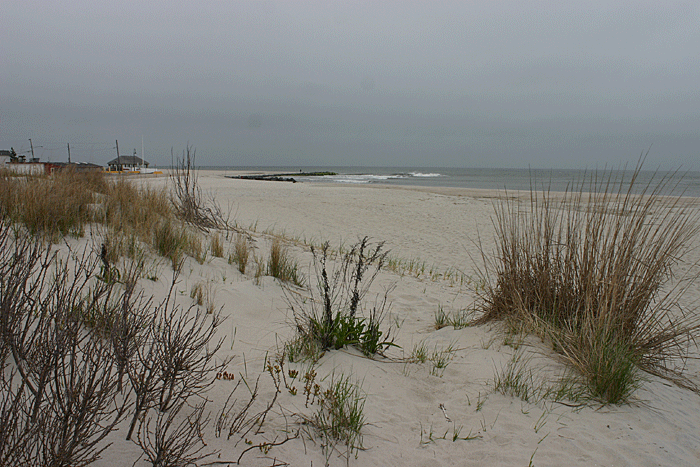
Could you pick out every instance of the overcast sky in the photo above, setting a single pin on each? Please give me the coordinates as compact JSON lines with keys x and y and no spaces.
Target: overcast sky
{"x":570,"y":84}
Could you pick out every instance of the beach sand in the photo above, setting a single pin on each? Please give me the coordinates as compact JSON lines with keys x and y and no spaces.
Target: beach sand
{"x":415,"y":415}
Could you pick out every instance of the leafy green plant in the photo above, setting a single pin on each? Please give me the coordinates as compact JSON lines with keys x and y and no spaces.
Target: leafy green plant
{"x":328,"y":315}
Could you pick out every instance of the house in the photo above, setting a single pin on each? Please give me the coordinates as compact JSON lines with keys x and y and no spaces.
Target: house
{"x":5,"y":157}
{"x":127,"y":163}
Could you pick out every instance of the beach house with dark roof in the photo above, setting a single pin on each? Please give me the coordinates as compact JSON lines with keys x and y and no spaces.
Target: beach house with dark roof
{"x":127,"y":163}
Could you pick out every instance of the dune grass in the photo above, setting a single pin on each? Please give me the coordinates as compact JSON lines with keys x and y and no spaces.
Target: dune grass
{"x":240,"y":252}
{"x":217,"y":245}
{"x":65,"y":202}
{"x":458,"y":319}
{"x":58,"y":205}
{"x":438,"y":358}
{"x":340,"y":415}
{"x":282,"y":266}
{"x":589,"y":271}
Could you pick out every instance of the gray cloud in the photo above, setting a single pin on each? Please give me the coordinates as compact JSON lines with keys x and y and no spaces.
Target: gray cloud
{"x":504,"y":84}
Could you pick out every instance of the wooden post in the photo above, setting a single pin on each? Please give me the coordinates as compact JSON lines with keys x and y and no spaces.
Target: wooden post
{"x":68,"y":152}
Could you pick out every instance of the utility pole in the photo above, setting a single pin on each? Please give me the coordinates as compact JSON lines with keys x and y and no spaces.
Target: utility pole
{"x":118,"y":165}
{"x":68,"y":152}
{"x":31,"y":146}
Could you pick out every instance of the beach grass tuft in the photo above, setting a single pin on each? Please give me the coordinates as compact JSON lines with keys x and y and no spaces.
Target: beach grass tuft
{"x":589,"y":270}
{"x":240,"y":253}
{"x":65,"y":202}
{"x":217,"y":245}
{"x":458,"y":319}
{"x":340,"y":416}
{"x":281,"y":266}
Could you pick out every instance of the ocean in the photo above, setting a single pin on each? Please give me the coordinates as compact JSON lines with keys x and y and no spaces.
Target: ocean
{"x":687,"y":183}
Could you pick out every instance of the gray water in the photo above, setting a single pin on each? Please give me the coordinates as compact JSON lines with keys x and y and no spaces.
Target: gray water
{"x":687,"y":183}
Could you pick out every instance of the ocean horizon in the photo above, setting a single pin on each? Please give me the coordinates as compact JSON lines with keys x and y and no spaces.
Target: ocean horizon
{"x":686,"y":183}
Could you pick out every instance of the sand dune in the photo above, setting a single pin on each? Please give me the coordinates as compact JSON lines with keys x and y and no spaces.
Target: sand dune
{"x":416,"y":415}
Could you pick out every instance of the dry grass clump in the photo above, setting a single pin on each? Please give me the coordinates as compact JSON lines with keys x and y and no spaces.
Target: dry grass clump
{"x":171,"y":241}
{"x":281,"y":266}
{"x":587,"y":271}
{"x":135,"y":209}
{"x":240,"y":253}
{"x":55,"y":205}
{"x":217,"y":245}
{"x":66,"y":201}
{"x":202,"y":293}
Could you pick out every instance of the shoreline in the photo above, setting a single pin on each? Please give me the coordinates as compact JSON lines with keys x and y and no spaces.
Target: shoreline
{"x":489,"y":179}
{"x":445,"y":190}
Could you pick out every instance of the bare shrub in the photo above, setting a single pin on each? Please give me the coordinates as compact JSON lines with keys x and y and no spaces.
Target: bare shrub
{"x":67,"y":380}
{"x":177,"y":360}
{"x":586,"y":271}
{"x":245,"y":420}
{"x":187,"y":353}
{"x":167,"y":444}
{"x":188,"y":198}
{"x":15,"y":429}
{"x":127,"y":333}
{"x":81,"y":407}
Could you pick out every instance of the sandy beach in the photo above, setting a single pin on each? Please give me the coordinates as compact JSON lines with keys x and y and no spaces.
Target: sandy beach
{"x":349,"y":234}
{"x":416,"y":415}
